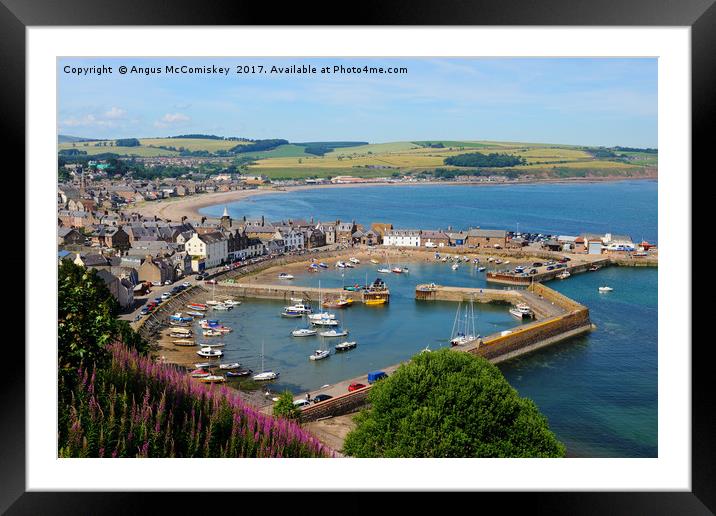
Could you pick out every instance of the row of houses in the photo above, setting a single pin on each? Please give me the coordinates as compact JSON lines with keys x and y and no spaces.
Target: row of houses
{"x":495,"y":238}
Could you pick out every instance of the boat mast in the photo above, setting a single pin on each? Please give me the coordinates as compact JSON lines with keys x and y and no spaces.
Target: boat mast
{"x":455,"y":323}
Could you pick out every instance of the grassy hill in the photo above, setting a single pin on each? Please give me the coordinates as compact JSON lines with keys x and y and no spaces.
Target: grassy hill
{"x":383,"y":159}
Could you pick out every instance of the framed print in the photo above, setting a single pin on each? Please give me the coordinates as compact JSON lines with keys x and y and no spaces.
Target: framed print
{"x":440,"y":253}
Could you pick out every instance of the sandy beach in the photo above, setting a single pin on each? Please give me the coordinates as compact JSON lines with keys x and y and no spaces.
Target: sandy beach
{"x":177,"y":207}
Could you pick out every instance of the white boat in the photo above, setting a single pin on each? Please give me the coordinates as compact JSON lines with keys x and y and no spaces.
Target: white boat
{"x":214,"y":378}
{"x":340,"y":265}
{"x":605,"y":289}
{"x":325,"y":322}
{"x":264,"y":375}
{"x":455,"y":266}
{"x":291,"y":314}
{"x":208,"y":352}
{"x":384,"y":271}
{"x":319,"y":354}
{"x":345,"y":346}
{"x":303,"y":332}
{"x":480,"y":269}
{"x":373,"y":260}
{"x":212,"y":302}
{"x":522,"y":311}
{"x":195,"y":314}
{"x":203,"y":365}
{"x":231,"y":302}
{"x":349,"y":265}
{"x":211,"y":333}
{"x":296,"y":300}
{"x":214,"y":345}
{"x":321,"y":315}
{"x":334,"y":333}
{"x":222,"y":307}
{"x":354,"y":260}
{"x":463,"y":328}
{"x":285,"y":275}
{"x":298,"y":308}
{"x":233,"y":365}
{"x":564,"y":275}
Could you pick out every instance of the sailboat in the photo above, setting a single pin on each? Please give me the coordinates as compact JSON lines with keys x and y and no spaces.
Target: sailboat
{"x":322,"y":318}
{"x":319,"y":354}
{"x":213,"y":301}
{"x":463,"y":329}
{"x":264,"y":375}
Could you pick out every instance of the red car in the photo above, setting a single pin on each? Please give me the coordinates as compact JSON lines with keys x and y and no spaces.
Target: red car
{"x":355,"y":386}
{"x":211,"y":281}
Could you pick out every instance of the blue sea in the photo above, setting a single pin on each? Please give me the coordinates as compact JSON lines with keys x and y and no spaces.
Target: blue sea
{"x":599,"y":391}
{"x":618,"y":207}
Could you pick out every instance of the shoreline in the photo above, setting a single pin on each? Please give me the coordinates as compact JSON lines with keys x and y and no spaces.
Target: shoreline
{"x":189,"y":207}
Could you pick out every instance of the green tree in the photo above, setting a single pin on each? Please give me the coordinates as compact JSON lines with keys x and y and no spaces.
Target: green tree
{"x":450,"y":404}
{"x":284,"y":407}
{"x":87,"y":319}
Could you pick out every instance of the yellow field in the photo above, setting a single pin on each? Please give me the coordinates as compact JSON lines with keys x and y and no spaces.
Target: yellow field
{"x":91,"y":150}
{"x":191,"y":144}
{"x":593,"y":164}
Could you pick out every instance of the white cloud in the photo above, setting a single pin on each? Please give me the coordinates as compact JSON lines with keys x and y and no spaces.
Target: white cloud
{"x":115,"y":113}
{"x":171,"y":119}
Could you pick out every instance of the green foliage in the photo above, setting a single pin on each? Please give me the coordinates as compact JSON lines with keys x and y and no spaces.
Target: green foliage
{"x":284,"y":407}
{"x":127,"y":142}
{"x":258,"y":145}
{"x":450,"y":404}
{"x":478,"y":159}
{"x":87,"y":319}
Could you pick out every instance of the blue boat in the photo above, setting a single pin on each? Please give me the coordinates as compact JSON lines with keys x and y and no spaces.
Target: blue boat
{"x":322,"y":265}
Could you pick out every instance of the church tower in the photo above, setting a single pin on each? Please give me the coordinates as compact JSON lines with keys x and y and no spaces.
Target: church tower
{"x":226,"y":219}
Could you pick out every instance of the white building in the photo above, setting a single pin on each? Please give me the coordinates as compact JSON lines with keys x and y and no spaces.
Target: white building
{"x":213,"y":247}
{"x":293,"y":239}
{"x":402,"y":237}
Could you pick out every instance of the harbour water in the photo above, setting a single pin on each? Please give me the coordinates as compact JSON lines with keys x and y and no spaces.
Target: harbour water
{"x":599,"y":391}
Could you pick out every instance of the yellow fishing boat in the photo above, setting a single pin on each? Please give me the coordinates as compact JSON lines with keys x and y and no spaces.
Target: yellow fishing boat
{"x":375,"y":302}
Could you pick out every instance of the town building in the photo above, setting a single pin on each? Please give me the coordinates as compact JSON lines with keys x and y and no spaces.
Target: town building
{"x":213,"y":247}
{"x":402,"y":237}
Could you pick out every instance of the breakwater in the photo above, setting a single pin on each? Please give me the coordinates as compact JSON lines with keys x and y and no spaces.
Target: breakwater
{"x":149,"y":325}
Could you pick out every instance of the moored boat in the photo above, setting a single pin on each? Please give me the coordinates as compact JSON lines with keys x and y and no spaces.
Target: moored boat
{"x":183,"y":342}
{"x":319,"y":354}
{"x":375,"y":302}
{"x":354,"y":260}
{"x":209,"y":352}
{"x":214,"y":378}
{"x":522,"y":311}
{"x":211,"y":333}
{"x":324,"y":322}
{"x":384,"y":271}
{"x":605,"y":289}
{"x":285,"y":275}
{"x":233,"y":365}
{"x":303,"y":332}
{"x":345,"y":346}
{"x":243,"y":372}
{"x":334,"y":333}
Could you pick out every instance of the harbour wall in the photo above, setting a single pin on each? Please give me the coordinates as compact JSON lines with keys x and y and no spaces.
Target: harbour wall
{"x":286,"y":292}
{"x":150,"y":324}
{"x":338,"y":405}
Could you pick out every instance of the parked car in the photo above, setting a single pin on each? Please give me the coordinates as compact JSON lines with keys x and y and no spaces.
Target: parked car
{"x":199,"y":277}
{"x":157,"y":283}
{"x":355,"y":386}
{"x":167,"y":282}
{"x":321,"y":397}
{"x":301,"y":403}
{"x":537,"y":264}
{"x":550,"y":267}
{"x":186,"y":284}
{"x":533,"y":271}
{"x":211,"y":281}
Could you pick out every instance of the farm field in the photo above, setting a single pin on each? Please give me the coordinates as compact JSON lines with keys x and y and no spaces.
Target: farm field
{"x":384,"y":159}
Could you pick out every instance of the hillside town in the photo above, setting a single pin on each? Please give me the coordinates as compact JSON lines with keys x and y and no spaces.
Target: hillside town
{"x":98,"y":230}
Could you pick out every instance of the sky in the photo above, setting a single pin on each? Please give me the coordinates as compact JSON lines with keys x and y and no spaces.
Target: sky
{"x":584,"y":101}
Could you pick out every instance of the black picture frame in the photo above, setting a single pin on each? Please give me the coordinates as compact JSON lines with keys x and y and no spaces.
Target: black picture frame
{"x":699,"y":15}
